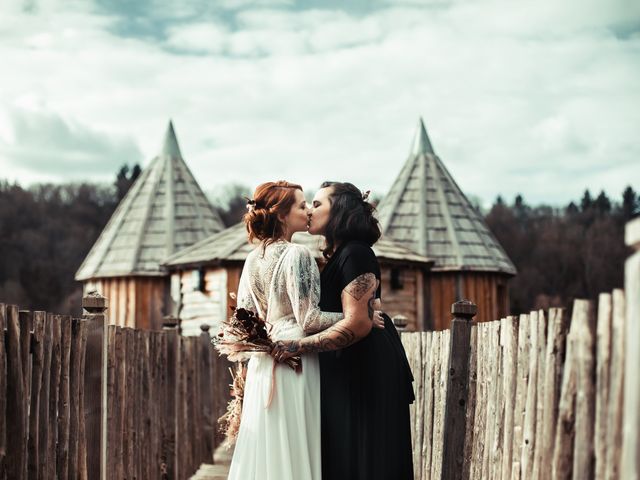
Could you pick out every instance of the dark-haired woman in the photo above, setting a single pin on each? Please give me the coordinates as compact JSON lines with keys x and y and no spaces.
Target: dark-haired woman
{"x":279,"y":436}
{"x":366,"y":387}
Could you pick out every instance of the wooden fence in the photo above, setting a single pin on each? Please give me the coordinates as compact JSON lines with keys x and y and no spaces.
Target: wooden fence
{"x":80,"y":399}
{"x":538,"y":396}
{"x":543,"y":396}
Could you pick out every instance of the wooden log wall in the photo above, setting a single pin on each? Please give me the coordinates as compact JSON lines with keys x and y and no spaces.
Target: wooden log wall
{"x":135,"y":302}
{"x":210,"y":306}
{"x":488,"y":290}
{"x":403,"y":301}
{"x":544,"y":396}
{"x":163,"y":395}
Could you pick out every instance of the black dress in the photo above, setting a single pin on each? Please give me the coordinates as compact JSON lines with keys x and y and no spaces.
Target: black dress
{"x":366,"y":388}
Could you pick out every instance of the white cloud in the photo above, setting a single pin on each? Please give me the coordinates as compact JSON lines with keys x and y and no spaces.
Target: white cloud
{"x":237,"y":4}
{"x":521,"y":97}
{"x":54,"y":149}
{"x":198,"y":37}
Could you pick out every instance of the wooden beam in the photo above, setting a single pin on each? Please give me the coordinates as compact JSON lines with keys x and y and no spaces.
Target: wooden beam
{"x":583,"y":452}
{"x":509,"y":342}
{"x":457,"y":390}
{"x":95,"y":385}
{"x":36,"y":388}
{"x":62,"y":447}
{"x":555,"y":354}
{"x":630,"y":466}
{"x":17,"y":412}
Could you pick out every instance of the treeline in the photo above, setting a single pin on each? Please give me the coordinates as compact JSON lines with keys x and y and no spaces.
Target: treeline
{"x":560,"y":253}
{"x":563,"y":253}
{"x":45,"y":233}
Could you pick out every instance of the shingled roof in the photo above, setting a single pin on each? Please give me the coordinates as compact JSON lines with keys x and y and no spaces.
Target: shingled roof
{"x":231,"y":245}
{"x":426,"y":211}
{"x":164,"y":212}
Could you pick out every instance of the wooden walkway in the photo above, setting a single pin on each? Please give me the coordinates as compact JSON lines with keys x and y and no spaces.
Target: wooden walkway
{"x":219,"y":470}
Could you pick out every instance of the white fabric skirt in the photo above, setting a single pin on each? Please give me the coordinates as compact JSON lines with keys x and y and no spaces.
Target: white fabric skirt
{"x":281,"y":441}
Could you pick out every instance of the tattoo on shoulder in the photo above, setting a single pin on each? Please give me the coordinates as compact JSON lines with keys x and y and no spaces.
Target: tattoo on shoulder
{"x":360,"y":285}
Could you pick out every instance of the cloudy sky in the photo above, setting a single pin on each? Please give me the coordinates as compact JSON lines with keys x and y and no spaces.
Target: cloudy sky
{"x":540,"y":97}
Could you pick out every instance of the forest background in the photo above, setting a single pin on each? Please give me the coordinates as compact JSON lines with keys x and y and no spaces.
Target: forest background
{"x":561,"y":252}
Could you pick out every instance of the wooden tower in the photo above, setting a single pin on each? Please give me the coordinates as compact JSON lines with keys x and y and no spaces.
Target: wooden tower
{"x":426,"y":211}
{"x":164,"y":211}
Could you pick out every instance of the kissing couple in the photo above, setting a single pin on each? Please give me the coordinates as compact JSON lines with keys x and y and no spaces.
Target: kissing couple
{"x":345,"y":416}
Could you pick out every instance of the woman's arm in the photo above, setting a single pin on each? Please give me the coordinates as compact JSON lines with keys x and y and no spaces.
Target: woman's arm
{"x":303,"y":288}
{"x":244,"y":296}
{"x":358,"y":299}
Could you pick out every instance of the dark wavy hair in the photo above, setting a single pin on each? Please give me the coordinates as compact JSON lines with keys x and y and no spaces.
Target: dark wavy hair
{"x":350,"y":217}
{"x":271,"y":200}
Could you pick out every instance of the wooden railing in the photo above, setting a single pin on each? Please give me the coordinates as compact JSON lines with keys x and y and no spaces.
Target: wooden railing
{"x":80,"y":399}
{"x":541,"y":397}
{"x":535,"y":396}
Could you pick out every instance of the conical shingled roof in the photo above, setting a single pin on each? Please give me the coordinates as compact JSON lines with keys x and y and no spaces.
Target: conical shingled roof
{"x":426,"y":211}
{"x":164,"y":211}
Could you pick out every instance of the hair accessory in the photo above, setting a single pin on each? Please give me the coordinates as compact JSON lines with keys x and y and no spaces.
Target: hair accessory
{"x":365,"y":195}
{"x":251,"y":204}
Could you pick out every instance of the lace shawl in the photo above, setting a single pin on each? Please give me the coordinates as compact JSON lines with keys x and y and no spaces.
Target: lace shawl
{"x":282,"y":284}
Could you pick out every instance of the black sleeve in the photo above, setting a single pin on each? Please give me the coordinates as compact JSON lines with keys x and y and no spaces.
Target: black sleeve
{"x":357,"y":259}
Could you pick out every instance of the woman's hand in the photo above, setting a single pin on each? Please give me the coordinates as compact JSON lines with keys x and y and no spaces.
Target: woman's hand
{"x":378,"y":320}
{"x":284,"y":349}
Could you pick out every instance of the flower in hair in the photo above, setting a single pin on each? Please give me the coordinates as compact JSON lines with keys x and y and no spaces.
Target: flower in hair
{"x":365,"y":195}
{"x":251,"y":204}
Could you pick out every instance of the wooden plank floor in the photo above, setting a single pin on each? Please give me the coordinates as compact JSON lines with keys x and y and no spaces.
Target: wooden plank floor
{"x":220,"y":468}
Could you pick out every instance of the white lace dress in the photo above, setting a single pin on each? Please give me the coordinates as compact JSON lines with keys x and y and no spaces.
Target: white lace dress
{"x":281,"y":440}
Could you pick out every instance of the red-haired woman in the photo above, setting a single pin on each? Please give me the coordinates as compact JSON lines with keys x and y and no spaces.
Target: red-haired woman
{"x":279,"y":436}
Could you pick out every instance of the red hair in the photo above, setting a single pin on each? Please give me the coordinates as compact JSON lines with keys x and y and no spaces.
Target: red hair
{"x":272,"y":200}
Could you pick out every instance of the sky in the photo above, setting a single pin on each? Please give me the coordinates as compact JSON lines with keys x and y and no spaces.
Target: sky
{"x":536,"y":97}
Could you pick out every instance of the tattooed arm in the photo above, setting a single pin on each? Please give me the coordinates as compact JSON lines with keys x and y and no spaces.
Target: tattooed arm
{"x":358,"y":299}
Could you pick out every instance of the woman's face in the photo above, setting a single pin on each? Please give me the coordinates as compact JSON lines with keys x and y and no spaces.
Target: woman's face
{"x":297,"y":218}
{"x":320,"y":208}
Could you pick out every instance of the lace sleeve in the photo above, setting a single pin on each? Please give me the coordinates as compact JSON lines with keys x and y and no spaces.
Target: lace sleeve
{"x":303,"y":287}
{"x":244,"y":298}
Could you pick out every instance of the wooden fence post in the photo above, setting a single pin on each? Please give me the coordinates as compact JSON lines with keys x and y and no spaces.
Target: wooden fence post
{"x":17,"y":413}
{"x":630,"y":465}
{"x":36,"y":389}
{"x":169,"y":456}
{"x":95,"y":386}
{"x":457,"y":390}
{"x":3,"y":391}
{"x":25,"y":318}
{"x":206,"y":398}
